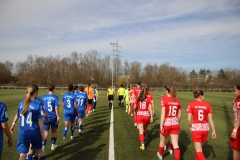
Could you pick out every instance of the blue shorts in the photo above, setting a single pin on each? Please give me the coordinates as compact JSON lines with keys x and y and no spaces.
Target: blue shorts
{"x":23,"y":147}
{"x":69,"y":115}
{"x":1,"y":146}
{"x":52,"y":124}
{"x":81,"y":113}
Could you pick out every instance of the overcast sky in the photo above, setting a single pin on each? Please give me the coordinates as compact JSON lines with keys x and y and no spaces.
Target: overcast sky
{"x":185,"y":33}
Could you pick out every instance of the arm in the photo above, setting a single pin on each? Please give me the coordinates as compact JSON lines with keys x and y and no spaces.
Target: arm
{"x":45,"y":116}
{"x":151,"y":112}
{"x":76,"y":109}
{"x":179,"y":115}
{"x":212,"y":126}
{"x":152,"y":107}
{"x":236,"y":127}
{"x":57,"y":113}
{"x":96,"y":95}
{"x":40,"y":123}
{"x":190,"y":121}
{"x":163,"y":113}
{"x":14,"y":123}
{"x":7,"y":132}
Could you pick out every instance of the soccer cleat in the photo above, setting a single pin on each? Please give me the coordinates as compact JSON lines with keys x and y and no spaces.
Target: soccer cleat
{"x":54,"y":146}
{"x":64,"y":140}
{"x":170,"y":151}
{"x":72,"y":137}
{"x":43,"y":150}
{"x":142,"y":147}
{"x":135,"y":124}
{"x":159,"y":156}
{"x":35,"y":157}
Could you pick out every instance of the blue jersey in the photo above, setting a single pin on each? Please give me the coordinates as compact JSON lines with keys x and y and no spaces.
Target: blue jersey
{"x":50,"y":102}
{"x":68,"y":100}
{"x":3,"y":119}
{"x":29,"y":130}
{"x":82,"y":99}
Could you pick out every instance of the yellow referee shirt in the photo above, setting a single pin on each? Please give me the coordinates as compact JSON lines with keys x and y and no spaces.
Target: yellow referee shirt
{"x":110,"y":91}
{"x":121,"y":91}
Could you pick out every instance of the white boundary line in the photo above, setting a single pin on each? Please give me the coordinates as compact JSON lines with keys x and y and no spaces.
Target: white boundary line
{"x":111,"y":153}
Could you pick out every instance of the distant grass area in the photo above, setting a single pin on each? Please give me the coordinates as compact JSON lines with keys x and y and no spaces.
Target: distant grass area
{"x":94,"y":142}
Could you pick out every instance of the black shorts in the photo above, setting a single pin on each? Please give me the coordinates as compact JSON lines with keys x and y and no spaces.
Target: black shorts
{"x":110,"y":97}
{"x":90,"y":101}
{"x":120,"y":98}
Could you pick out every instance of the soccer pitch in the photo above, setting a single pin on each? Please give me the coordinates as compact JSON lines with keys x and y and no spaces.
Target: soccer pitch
{"x":94,"y":142}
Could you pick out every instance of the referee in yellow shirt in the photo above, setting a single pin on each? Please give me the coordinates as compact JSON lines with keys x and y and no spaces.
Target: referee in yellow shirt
{"x":110,"y":96}
{"x":120,"y":95}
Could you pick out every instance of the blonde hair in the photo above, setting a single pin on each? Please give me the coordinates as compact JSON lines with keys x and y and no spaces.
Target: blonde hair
{"x":30,"y":92}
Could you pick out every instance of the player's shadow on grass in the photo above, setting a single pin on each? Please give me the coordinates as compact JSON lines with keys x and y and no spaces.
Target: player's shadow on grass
{"x":184,"y":141}
{"x":208,"y":150}
{"x":153,"y":133}
{"x":229,"y":127}
{"x":89,"y":144}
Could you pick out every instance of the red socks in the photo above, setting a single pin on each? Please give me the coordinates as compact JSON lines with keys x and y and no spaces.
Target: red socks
{"x":141,"y":137}
{"x":160,"y":150}
{"x":177,"y":154}
{"x":200,"y":156}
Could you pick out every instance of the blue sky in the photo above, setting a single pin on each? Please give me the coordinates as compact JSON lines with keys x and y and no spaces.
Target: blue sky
{"x":185,"y":33}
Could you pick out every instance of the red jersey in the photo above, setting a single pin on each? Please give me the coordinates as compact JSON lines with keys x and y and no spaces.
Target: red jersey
{"x":200,"y":111}
{"x":172,"y":108}
{"x":236,"y":107}
{"x":150,"y":96}
{"x":136,"y":92}
{"x":143,"y":107}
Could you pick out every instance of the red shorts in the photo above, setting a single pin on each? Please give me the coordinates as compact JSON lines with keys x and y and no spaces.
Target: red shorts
{"x":145,"y":120}
{"x":200,"y":136}
{"x":174,"y":129}
{"x":235,"y":143}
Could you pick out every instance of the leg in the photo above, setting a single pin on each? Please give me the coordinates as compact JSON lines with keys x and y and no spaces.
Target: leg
{"x":54,"y":139}
{"x":72,"y":129}
{"x":65,"y":129}
{"x":198,"y":148}
{"x":236,"y":154}
{"x":80,"y":121}
{"x":23,"y":156}
{"x":174,"y":140}
{"x":141,"y":135}
{"x":40,"y":154}
{"x":161,"y":146}
{"x":30,"y":153}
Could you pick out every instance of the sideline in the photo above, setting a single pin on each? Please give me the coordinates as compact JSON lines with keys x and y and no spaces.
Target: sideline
{"x":111,"y":153}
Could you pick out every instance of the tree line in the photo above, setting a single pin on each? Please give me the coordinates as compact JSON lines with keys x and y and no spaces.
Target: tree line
{"x":92,"y":67}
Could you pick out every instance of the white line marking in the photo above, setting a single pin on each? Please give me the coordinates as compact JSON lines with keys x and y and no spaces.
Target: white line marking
{"x":111,"y":139}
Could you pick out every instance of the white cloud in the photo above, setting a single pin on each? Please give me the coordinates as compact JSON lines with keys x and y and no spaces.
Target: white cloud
{"x":142,"y":27}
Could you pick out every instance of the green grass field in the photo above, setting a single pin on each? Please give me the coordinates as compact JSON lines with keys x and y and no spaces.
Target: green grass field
{"x":94,"y":142}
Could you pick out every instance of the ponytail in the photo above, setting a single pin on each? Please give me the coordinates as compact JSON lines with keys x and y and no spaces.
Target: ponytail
{"x":142,"y":94}
{"x":171,"y":90}
{"x":30,"y":92}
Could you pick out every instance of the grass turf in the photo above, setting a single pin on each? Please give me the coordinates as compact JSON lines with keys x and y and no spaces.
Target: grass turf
{"x":93,"y":143}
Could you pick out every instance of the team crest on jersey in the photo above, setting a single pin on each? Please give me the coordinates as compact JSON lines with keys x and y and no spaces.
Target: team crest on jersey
{"x":6,"y":114}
